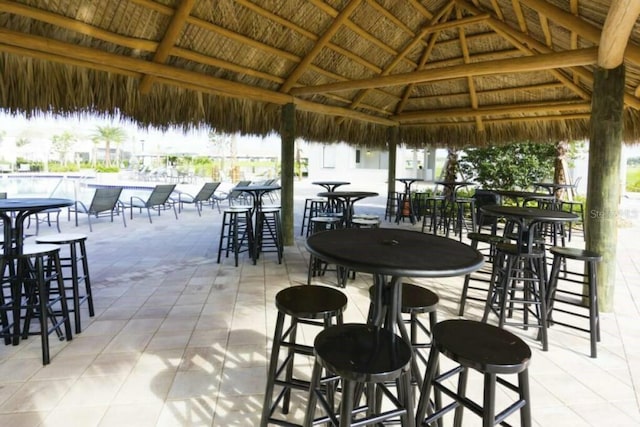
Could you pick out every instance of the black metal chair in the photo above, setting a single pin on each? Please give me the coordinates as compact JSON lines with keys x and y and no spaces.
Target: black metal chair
{"x":159,"y":200}
{"x":104,"y":201}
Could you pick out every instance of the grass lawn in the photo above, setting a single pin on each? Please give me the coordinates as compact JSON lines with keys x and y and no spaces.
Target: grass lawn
{"x":633,"y":178}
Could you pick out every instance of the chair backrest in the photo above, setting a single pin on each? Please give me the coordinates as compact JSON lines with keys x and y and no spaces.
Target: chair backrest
{"x":206,"y":191}
{"x":105,"y":199}
{"x":160,"y":194}
{"x":235,"y":193}
{"x":484,"y":198}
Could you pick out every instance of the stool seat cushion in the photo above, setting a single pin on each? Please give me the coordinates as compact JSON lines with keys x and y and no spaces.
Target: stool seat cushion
{"x":61,"y":238}
{"x":575,"y":253}
{"x":481,"y":346}
{"x":418,"y":297}
{"x":311,"y":302}
{"x":362,"y":353}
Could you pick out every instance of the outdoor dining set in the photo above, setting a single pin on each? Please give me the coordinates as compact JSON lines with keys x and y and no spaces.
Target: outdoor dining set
{"x":389,"y":368}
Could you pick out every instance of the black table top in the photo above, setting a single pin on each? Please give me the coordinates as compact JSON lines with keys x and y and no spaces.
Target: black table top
{"x":348,"y":194}
{"x":32,"y":203}
{"x":456,"y":183}
{"x":332,"y":183}
{"x":409,"y":179}
{"x":529,"y":214}
{"x":523,"y":194}
{"x":395,"y":252}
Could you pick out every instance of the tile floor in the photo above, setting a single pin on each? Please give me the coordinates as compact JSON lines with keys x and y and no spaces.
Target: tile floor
{"x":178,"y":340}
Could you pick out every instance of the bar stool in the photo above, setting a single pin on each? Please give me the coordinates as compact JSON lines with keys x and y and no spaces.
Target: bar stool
{"x":416,"y":300}
{"x":318,"y":267}
{"x":583,"y":295}
{"x":312,"y":207}
{"x":480,"y":280}
{"x":236,"y":235}
{"x":318,"y":306}
{"x":484,"y":348}
{"x":360,"y":222}
{"x":511,"y":267}
{"x":574,"y":206}
{"x":362,"y":357}
{"x":37,"y":290}
{"x":391,"y":206}
{"x":75,"y":269}
{"x":269,"y":232}
{"x":433,"y":211}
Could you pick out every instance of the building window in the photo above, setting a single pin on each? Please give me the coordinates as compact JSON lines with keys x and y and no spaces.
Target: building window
{"x":357,"y":156}
{"x":328,"y":156}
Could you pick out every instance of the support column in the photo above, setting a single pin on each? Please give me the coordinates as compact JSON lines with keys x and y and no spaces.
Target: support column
{"x":287,"y":156}
{"x":392,"y":142}
{"x":603,"y":190}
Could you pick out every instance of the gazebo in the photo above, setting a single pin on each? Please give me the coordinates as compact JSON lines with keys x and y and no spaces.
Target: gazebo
{"x":376,"y":73}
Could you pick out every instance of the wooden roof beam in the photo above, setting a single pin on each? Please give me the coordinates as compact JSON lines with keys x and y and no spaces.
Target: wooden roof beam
{"x":616,"y":31}
{"x":497,"y":110}
{"x":322,"y":41}
{"x":426,"y":54}
{"x":429,"y":28}
{"x":510,"y":120}
{"x":168,"y":41}
{"x":583,"y":28}
{"x":494,"y":92}
{"x":473,"y":97}
{"x":503,"y":66}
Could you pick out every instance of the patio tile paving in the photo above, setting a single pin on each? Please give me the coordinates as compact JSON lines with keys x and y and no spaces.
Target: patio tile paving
{"x":179,"y":340}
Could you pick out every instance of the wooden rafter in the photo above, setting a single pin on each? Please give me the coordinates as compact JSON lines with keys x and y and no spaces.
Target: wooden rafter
{"x":429,"y":28}
{"x":581,"y":27}
{"x":493,"y":92}
{"x":526,"y":44}
{"x":544,"y":23}
{"x":615,"y":33}
{"x":524,"y":119}
{"x":320,"y":44}
{"x":573,"y":5}
{"x":548,"y":61}
{"x":522,"y":22}
{"x":168,"y":41}
{"x":473,"y":97}
{"x":497,"y":110}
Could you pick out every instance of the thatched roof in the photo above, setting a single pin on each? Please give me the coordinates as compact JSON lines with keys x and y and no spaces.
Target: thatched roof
{"x":448,"y":72}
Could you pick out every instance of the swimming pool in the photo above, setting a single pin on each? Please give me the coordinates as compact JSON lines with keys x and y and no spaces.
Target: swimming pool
{"x":62,"y":186}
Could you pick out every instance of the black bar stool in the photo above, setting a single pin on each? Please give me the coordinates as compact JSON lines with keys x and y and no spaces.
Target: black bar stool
{"x":318,"y":306}
{"x":318,"y":267}
{"x":416,"y":300}
{"x":269,"y":233}
{"x":236,"y":235}
{"x":391,"y":206}
{"x":37,"y":292}
{"x":362,"y":357}
{"x":312,"y":208}
{"x":484,"y":348}
{"x":478,"y":282}
{"x":75,"y":270}
{"x":519,"y":277}
{"x":583,"y":295}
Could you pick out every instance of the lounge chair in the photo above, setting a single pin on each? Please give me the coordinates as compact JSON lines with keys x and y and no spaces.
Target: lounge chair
{"x":233,"y":197}
{"x":159,"y":199}
{"x":205,"y":193}
{"x":105,"y":200}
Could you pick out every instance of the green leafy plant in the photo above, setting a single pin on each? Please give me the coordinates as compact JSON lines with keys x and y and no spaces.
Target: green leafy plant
{"x":511,"y":166}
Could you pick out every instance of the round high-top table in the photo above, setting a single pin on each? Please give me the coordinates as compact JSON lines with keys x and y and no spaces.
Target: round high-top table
{"x":528,"y":219}
{"x":14,"y":211}
{"x":256,"y":192}
{"x":391,"y":254}
{"x":347,"y":199}
{"x":452,"y":187}
{"x":520,"y":197}
{"x":331,"y":185}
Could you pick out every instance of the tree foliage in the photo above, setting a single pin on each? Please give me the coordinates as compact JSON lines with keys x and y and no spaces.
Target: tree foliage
{"x":108,"y":135}
{"x":509,"y":167}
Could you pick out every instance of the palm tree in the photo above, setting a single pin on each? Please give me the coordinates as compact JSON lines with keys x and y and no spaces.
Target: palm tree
{"x":108,"y":135}
{"x":62,"y":144}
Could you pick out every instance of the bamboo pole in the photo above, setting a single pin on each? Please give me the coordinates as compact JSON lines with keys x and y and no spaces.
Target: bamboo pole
{"x":287,"y":159}
{"x":603,"y":189}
